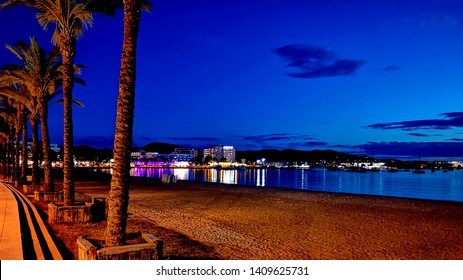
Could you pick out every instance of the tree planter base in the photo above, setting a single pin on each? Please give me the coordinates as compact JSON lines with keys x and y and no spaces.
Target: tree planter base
{"x":18,"y":184}
{"x":58,"y":213}
{"x":93,"y":211}
{"x":29,"y":189}
{"x":150,"y":250}
{"x":48,"y":196}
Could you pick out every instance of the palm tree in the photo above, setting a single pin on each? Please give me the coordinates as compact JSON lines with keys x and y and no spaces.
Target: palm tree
{"x":119,"y":193}
{"x":8,"y":113}
{"x":70,"y":18}
{"x":24,"y":143}
{"x":12,"y":113}
{"x":7,"y":108}
{"x":41,"y":75}
{"x":4,"y":132}
{"x":22,"y":95}
{"x":19,"y":123}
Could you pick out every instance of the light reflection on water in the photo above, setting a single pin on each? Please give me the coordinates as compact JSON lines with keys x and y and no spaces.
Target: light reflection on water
{"x":438,"y":185}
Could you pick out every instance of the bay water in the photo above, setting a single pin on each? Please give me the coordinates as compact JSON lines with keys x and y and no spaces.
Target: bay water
{"x":438,"y":185}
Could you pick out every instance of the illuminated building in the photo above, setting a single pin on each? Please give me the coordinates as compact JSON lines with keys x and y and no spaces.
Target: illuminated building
{"x":221,"y":152}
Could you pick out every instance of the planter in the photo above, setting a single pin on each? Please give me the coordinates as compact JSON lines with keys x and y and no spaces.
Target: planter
{"x":58,"y":213}
{"x":29,"y":189}
{"x":48,"y":196}
{"x":151,"y":249}
{"x":93,"y":211}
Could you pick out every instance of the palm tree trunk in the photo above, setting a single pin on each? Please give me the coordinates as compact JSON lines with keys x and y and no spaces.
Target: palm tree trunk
{"x":35,"y":159}
{"x":11,"y":153}
{"x":67,"y":47}
{"x":48,"y":179}
{"x":7,"y":157}
{"x":119,"y":193}
{"x":17,"y":169}
{"x":2,"y":155}
{"x":24,"y":145}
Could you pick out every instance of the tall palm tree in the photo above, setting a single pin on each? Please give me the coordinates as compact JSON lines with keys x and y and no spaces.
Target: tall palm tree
{"x":21,"y":94}
{"x":24,"y":143}
{"x":41,"y":75}
{"x":19,"y":123}
{"x":10,"y":111}
{"x":4,"y":127}
{"x":70,"y":18}
{"x":119,"y":193}
{"x":8,"y":114}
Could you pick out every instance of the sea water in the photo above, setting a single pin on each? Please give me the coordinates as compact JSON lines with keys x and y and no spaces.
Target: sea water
{"x":438,"y":185}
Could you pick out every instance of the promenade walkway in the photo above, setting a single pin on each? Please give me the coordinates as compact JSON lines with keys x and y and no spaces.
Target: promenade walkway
{"x":10,"y":229}
{"x":23,"y":234}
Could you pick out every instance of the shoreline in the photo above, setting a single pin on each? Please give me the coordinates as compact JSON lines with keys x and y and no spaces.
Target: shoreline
{"x":242,"y":222}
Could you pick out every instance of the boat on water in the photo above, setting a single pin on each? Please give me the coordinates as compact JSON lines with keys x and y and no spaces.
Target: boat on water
{"x":418,"y":171}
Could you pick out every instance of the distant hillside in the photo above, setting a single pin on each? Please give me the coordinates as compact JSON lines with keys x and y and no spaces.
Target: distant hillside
{"x":271,"y":155}
{"x":289,"y":155}
{"x":162,"y":148}
{"x":89,"y":153}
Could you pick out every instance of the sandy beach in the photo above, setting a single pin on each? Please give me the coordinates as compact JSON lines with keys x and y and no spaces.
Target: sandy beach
{"x":239,"y":222}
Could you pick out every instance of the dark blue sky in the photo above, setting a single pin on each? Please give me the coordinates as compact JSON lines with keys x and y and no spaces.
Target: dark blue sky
{"x":377,"y":77}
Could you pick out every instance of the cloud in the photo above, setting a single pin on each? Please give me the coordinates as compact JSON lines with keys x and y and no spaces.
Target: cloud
{"x":342,"y":146}
{"x":273,"y":137}
{"x":453,"y":119}
{"x":418,"y":134}
{"x":314,"y":144}
{"x":390,"y":68}
{"x":210,"y":139}
{"x":413,"y":149}
{"x":280,"y":140}
{"x":96,"y":141}
{"x":315,"y":62}
{"x":145,"y":138}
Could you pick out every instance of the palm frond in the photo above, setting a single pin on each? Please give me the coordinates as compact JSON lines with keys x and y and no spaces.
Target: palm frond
{"x":74,"y":101}
{"x":11,"y":3}
{"x":105,"y":7}
{"x":80,"y":81}
{"x":146,"y":6}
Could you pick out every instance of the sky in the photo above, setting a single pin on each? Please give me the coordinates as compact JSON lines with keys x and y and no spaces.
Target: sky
{"x":382,"y":78}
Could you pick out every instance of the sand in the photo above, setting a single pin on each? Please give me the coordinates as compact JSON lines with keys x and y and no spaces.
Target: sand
{"x":266,"y":223}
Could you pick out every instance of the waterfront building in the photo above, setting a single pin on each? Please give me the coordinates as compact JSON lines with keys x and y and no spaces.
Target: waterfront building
{"x":183,"y":154}
{"x":54,"y":147}
{"x":208,"y":152}
{"x":229,"y":153}
{"x":137,"y":154}
{"x":221,"y":152}
{"x":152,"y":154}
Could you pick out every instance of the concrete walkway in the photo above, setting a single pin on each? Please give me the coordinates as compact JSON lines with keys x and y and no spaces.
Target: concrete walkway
{"x":10,"y":230}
